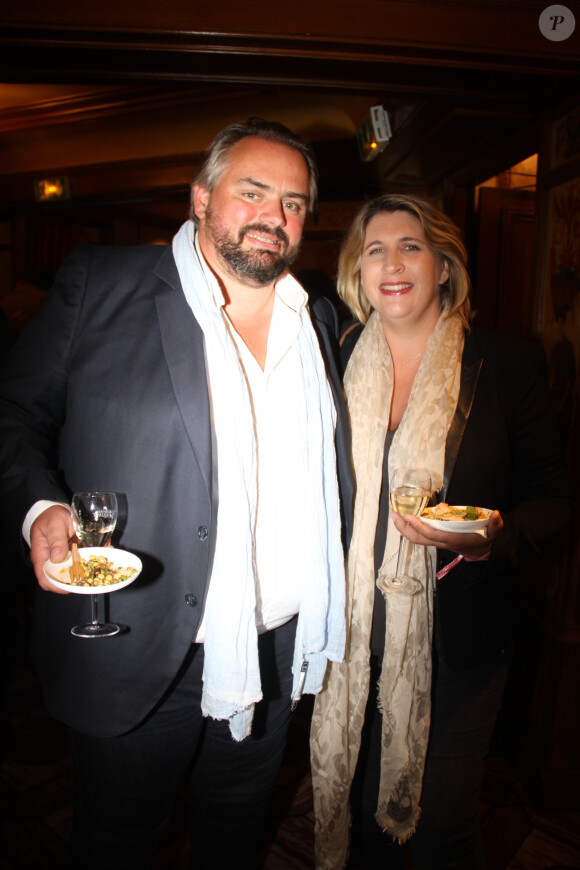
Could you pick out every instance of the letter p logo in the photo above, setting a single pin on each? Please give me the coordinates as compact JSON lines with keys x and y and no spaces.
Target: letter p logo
{"x":557,"y":23}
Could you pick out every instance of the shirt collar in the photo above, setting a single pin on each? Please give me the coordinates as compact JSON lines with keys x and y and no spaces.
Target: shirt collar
{"x":292,"y":293}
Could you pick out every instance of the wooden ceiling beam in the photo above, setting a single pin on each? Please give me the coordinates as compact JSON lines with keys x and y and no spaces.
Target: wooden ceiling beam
{"x":31,"y":51}
{"x":413,"y":27}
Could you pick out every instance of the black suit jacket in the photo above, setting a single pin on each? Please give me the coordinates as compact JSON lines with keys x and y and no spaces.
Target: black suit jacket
{"x":107,"y":390}
{"x":503,"y":451}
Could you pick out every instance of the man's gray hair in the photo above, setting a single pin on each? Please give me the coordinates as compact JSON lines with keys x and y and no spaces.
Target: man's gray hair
{"x":216,"y":156}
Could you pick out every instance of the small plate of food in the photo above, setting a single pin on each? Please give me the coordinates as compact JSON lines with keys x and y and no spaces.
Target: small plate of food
{"x":105,"y":569}
{"x":456,"y":518}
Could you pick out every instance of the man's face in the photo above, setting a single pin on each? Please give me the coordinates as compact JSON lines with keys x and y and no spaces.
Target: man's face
{"x":250,"y":225}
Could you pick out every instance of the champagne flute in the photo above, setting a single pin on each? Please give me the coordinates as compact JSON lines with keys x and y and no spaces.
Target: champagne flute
{"x":94,"y":516}
{"x":410,"y":492}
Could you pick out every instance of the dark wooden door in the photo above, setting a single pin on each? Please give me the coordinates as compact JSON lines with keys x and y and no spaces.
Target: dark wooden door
{"x":503,"y":277}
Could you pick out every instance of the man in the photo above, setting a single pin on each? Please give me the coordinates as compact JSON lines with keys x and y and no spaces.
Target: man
{"x":191,"y":383}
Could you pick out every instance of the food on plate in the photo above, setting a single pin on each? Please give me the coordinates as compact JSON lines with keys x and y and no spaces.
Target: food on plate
{"x":97,"y":571}
{"x":465,"y":513}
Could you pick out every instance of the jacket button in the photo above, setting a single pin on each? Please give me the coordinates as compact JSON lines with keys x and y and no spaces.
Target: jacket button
{"x":202,"y":532}
{"x":190,"y":600}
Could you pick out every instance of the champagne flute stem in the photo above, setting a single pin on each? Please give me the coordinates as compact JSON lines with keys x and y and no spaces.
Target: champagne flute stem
{"x":400,"y":556}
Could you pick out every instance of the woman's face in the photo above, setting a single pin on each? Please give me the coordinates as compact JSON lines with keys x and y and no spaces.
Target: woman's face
{"x":401,"y":275}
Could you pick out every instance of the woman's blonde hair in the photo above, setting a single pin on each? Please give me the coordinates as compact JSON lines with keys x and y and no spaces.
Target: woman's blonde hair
{"x":442,"y":236}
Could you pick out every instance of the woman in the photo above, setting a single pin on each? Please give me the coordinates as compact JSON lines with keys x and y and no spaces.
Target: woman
{"x":419,"y":691}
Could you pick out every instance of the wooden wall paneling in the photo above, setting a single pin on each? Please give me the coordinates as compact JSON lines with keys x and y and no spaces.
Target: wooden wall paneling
{"x":516,"y":274}
{"x":486,"y":267}
{"x":548,"y":751}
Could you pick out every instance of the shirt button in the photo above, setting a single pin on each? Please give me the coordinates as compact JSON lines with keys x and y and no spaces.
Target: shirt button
{"x":190,"y":600}
{"x":202,"y":532}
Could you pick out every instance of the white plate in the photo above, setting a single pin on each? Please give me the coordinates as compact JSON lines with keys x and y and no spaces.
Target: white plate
{"x":55,"y":571}
{"x":458,"y":525}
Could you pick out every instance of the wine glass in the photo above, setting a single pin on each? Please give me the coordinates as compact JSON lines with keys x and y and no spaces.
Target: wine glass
{"x":94,"y":516}
{"x":410,"y":492}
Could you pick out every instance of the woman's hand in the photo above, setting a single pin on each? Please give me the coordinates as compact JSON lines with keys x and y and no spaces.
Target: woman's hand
{"x":470,"y":545}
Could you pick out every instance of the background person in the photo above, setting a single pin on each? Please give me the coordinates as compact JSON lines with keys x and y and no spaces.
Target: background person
{"x":401,"y":728}
{"x":190,"y":381}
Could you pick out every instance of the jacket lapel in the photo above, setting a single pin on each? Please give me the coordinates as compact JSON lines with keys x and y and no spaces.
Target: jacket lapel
{"x":470,"y":368}
{"x":183,"y":345}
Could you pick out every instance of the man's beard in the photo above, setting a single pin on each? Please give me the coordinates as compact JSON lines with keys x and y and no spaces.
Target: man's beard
{"x":255,"y":267}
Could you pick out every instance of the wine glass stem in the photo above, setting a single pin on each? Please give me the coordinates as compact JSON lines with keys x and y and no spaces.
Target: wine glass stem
{"x":94,"y":609}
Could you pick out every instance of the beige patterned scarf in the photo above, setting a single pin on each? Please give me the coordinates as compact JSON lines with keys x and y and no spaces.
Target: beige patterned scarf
{"x":405,"y":683}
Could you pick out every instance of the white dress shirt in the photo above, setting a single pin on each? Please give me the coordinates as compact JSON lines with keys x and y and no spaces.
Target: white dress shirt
{"x":275,"y":394}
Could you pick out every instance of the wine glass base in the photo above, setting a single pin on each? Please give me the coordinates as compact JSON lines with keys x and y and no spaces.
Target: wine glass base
{"x":401,"y":585}
{"x":96,"y":629}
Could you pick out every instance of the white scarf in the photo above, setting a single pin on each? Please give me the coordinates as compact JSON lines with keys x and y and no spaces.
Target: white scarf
{"x":231,"y":669}
{"x":405,"y":683}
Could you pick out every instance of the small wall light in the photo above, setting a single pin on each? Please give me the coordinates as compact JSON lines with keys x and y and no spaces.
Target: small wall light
{"x":374,"y":134}
{"x":52,"y":188}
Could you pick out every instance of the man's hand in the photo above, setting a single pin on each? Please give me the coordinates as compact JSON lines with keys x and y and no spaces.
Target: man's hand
{"x":49,"y":537}
{"x":471,"y":546}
